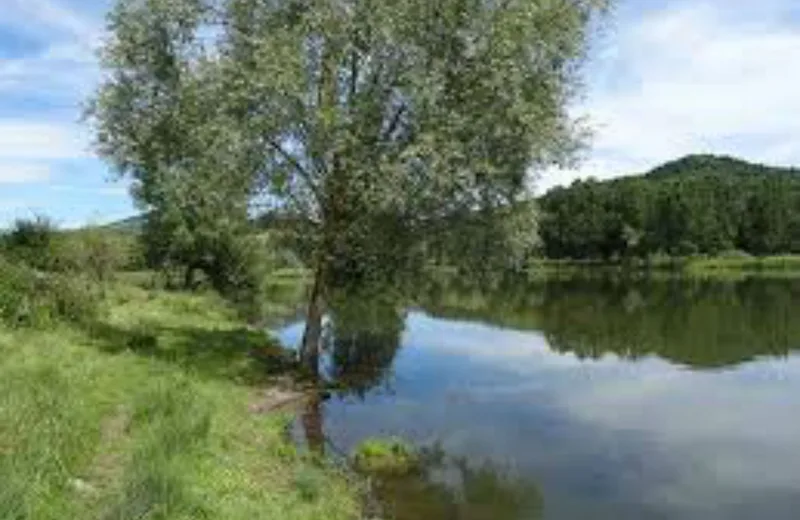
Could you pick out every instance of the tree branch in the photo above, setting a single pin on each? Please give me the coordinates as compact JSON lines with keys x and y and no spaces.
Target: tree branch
{"x":304,"y":173}
{"x":394,"y":122}
{"x":353,"y":75}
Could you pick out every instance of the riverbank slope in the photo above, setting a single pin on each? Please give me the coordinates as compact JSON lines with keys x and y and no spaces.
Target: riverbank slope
{"x":165,"y":408}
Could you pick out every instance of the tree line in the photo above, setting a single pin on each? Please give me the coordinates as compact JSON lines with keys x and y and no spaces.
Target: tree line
{"x":696,"y":205}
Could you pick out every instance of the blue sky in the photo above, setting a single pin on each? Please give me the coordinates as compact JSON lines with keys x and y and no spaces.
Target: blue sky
{"x":666,"y":78}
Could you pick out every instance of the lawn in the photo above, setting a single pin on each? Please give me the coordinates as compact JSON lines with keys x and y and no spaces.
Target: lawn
{"x":155,"y":412}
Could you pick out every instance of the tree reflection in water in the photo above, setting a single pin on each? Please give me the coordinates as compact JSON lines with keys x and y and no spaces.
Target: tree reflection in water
{"x":360,"y":342}
{"x":450,"y":488}
{"x":696,"y":323}
{"x":702,"y":324}
{"x":361,"y":337}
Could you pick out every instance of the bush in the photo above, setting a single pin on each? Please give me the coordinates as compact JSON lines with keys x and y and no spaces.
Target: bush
{"x":98,"y":253}
{"x":735,"y":253}
{"x":34,"y":299}
{"x":686,"y":248}
{"x":31,"y":241}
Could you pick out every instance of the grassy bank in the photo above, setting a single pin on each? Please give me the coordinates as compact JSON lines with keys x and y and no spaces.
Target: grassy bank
{"x":784,"y":266}
{"x":788,"y":265}
{"x":155,"y":411}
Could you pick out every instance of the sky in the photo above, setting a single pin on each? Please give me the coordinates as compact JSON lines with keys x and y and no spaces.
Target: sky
{"x":666,"y":78}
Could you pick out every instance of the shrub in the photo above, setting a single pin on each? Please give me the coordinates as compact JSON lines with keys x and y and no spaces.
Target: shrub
{"x":659,"y":259}
{"x":309,"y":482}
{"x":95,"y":252}
{"x":31,"y":241}
{"x":735,"y":253}
{"x":31,"y":298}
{"x":686,"y":248}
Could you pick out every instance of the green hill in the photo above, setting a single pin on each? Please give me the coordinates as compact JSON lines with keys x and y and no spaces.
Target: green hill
{"x":697,"y":204}
{"x":131,"y":224}
{"x":705,"y":164}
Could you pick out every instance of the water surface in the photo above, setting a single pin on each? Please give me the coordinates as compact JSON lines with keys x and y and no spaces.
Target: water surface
{"x":576,"y":399}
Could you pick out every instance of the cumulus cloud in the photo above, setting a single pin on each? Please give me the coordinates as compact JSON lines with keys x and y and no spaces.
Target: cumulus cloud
{"x":47,"y":15}
{"x":63,"y":71}
{"x":41,"y":87}
{"x":20,"y":140}
{"x":693,"y":77}
{"x":108,"y":191}
{"x":719,"y":435}
{"x":11,"y":173}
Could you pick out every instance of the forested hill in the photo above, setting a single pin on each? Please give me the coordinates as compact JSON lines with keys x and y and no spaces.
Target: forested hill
{"x":716,"y":165}
{"x":698,"y":204}
{"x":133,"y":224}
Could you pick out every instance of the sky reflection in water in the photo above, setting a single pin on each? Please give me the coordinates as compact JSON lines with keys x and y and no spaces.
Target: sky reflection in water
{"x":613,"y":435}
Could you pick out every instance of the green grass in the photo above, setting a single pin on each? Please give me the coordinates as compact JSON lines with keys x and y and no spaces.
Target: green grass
{"x":393,"y":456}
{"x":768,"y":265}
{"x":727,"y":266}
{"x":148,"y":415}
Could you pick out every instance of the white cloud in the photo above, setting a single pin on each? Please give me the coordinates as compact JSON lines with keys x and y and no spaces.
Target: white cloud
{"x":23,"y":140}
{"x":53,"y":80}
{"x":47,"y":15}
{"x":111,"y":190}
{"x":63,"y":70}
{"x":720,"y":435}
{"x":484,"y":342}
{"x":19,"y":173}
{"x":698,"y":77}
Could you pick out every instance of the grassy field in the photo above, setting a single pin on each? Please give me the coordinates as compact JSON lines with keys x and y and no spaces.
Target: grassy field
{"x":783,"y":266}
{"x":154,"y":413}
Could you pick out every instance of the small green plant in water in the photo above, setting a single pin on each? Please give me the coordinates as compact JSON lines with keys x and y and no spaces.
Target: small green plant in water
{"x":385,"y":456}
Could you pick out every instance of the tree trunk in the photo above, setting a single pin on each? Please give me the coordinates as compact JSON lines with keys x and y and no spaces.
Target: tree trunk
{"x":312,"y":335}
{"x":188,"y":277}
{"x":313,"y":426}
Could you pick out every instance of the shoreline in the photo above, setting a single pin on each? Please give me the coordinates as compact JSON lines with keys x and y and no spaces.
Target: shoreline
{"x":779,"y":266}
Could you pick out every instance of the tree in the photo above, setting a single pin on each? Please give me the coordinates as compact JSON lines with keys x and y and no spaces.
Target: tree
{"x":99,"y":253}
{"x":158,"y":121}
{"x":31,"y":241}
{"x":357,"y":118}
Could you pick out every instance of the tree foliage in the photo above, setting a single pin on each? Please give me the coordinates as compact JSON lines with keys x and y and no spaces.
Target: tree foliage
{"x":31,"y":241}
{"x":368,"y":123}
{"x":698,"y":204}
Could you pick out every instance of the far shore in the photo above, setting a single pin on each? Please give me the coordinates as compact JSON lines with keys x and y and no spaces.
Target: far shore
{"x":781,"y":266}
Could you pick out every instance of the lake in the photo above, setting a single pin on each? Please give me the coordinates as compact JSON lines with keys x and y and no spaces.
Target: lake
{"x":573,"y":399}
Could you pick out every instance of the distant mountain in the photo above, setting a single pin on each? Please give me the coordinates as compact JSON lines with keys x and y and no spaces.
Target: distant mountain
{"x":133,"y":224}
{"x":705,"y":164}
{"x":261,"y":222}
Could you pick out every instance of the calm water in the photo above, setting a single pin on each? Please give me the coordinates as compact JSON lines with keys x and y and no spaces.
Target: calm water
{"x":572,"y":400}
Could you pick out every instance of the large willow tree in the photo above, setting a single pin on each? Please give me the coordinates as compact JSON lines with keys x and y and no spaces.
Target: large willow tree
{"x":373,"y":124}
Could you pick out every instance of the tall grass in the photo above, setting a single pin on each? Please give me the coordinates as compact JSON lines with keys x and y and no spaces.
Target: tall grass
{"x":170,"y":424}
{"x":36,"y":299}
{"x":100,"y":428}
{"x":48,"y":418}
